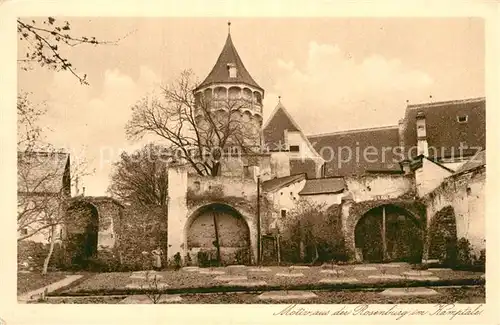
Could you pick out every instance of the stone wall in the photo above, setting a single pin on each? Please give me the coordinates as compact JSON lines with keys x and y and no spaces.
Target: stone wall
{"x":379,"y":186}
{"x":465,"y":193}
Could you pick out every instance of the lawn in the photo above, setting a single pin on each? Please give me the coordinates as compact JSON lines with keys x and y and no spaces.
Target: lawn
{"x":107,"y":283}
{"x":32,"y":281}
{"x":445,"y":296}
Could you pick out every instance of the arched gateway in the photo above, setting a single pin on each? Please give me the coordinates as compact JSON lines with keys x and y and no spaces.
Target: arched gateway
{"x":221,"y":233}
{"x":389,"y":233}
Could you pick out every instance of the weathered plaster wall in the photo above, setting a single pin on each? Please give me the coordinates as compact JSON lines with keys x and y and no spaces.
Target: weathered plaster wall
{"x":466,"y":194}
{"x":378,"y":187}
{"x":286,"y":199}
{"x":109,"y":218}
{"x":429,"y":176}
{"x":327,"y":199}
{"x":280,"y":165}
{"x":177,"y":211}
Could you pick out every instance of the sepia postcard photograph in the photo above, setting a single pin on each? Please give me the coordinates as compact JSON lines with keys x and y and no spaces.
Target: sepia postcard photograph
{"x":218,"y":160}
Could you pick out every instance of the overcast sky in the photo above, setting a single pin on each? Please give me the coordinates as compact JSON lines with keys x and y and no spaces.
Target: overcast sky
{"x":332,"y":73}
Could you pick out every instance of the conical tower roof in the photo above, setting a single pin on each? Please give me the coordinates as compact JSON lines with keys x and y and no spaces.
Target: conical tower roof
{"x":220,"y":73}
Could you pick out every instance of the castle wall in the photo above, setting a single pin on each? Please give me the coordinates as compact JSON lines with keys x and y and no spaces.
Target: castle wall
{"x":378,"y":187}
{"x":429,"y":176}
{"x":465,"y":193}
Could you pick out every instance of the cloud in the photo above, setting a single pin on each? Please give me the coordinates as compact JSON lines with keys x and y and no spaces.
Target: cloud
{"x":90,"y":122}
{"x":333,"y":92}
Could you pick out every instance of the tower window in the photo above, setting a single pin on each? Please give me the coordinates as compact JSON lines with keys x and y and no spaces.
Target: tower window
{"x":283,"y":213}
{"x":462,"y":119}
{"x":233,"y":72}
{"x":24,"y":231}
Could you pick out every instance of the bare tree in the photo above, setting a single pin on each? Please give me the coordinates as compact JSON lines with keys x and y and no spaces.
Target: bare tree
{"x":45,"y":39}
{"x":198,"y":129}
{"x":44,"y":186}
{"x":141,"y":177}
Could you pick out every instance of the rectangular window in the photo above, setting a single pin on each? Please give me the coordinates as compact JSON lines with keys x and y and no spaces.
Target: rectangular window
{"x":24,"y":231}
{"x":283,"y":213}
{"x":294,"y":148}
{"x":462,"y":119}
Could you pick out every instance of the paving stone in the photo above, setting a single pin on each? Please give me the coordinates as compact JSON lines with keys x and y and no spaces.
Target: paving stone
{"x":391,"y":265}
{"x":290,"y":275}
{"x":386,"y":277}
{"x":365,"y":268}
{"x":332,"y":271}
{"x":260,"y":269}
{"x":398,"y":292}
{"x":423,"y":278}
{"x":338,"y":280}
{"x":212,"y":272}
{"x":24,"y":271}
{"x":246,"y":283}
{"x":236,"y":266}
{"x":191,"y":268}
{"x":299,"y":267}
{"x":49,"y":288}
{"x":231,"y":278}
{"x":143,"y":299}
{"x":417,"y":273}
{"x":142,"y":276}
{"x":287,"y":295}
{"x":439,"y":269}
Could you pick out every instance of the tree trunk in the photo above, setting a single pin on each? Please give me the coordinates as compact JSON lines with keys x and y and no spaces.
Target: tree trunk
{"x":51,"y":250}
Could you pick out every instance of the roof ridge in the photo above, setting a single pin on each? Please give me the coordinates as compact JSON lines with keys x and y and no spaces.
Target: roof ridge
{"x":447,"y":102}
{"x":377,"y":128}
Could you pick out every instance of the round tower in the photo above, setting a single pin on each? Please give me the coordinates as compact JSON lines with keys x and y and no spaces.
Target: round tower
{"x":230,"y":99}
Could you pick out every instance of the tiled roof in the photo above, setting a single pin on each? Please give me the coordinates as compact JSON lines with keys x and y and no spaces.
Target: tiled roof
{"x":304,"y":165}
{"x":323,"y":186}
{"x":476,"y":161}
{"x":443,"y":131}
{"x":42,"y":172}
{"x":347,"y":143}
{"x":277,"y":183}
{"x":220,"y":73}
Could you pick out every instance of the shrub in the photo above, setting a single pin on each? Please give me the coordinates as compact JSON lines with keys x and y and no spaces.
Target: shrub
{"x":313,"y":234}
{"x":242,"y":256}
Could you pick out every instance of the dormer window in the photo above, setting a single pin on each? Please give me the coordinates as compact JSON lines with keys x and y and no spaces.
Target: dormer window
{"x":233,"y":72}
{"x":462,"y":118}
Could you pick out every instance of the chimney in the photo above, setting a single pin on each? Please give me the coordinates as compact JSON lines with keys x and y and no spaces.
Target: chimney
{"x":401,"y":134}
{"x":422,"y":145}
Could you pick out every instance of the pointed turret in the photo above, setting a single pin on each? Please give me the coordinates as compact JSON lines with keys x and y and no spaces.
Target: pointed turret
{"x":229,"y":69}
{"x":230,"y":88}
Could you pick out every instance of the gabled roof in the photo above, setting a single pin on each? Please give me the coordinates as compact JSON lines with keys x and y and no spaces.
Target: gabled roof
{"x":220,"y":73}
{"x":277,"y":183}
{"x":443,"y":131}
{"x":323,"y":186}
{"x":478,"y":160}
{"x":337,"y":146}
{"x":42,"y":172}
{"x":273,"y":130}
{"x":306,"y":166}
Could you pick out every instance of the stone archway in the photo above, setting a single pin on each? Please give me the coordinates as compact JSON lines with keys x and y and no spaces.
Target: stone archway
{"x":82,"y":229}
{"x":443,"y":236}
{"x":222,"y":232}
{"x":388,"y":233}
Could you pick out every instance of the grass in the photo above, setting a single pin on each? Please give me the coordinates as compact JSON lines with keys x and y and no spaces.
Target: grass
{"x":31,"y":281}
{"x":445,"y":296}
{"x":183,"y":282}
